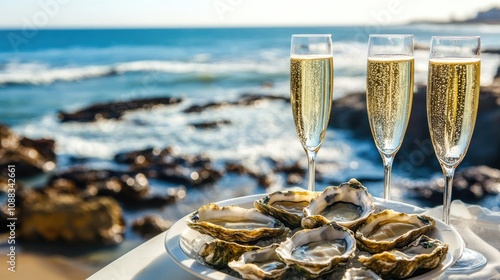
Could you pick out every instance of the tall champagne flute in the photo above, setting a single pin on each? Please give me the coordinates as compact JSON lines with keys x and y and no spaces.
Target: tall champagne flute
{"x":311,"y":92}
{"x":452,"y":102}
{"x":389,"y":95}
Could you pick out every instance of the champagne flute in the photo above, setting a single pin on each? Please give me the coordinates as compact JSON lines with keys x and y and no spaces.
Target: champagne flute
{"x":311,"y":92}
{"x":452,"y":101}
{"x":389,"y":95}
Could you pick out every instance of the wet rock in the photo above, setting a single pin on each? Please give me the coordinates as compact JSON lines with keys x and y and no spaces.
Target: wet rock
{"x":144,"y":157}
{"x":245,"y":100}
{"x":115,"y":109}
{"x":132,"y":189}
{"x":211,"y":125}
{"x":293,"y":168}
{"x":294,"y":172}
{"x":470,"y":185}
{"x":266,"y":180}
{"x":238,"y":168}
{"x":493,"y":51}
{"x":150,"y":226}
{"x":29,"y":156}
{"x":69,"y":218}
{"x":168,"y":165}
{"x":188,"y":176}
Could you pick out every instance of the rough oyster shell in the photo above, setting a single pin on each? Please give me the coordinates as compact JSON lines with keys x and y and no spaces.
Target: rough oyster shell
{"x":390,"y":229}
{"x":236,"y":224}
{"x":286,"y":206}
{"x":260,"y":264}
{"x":360,"y":274}
{"x":219,"y":253}
{"x":348,"y":204}
{"x":425,"y":253}
{"x":318,"y":251}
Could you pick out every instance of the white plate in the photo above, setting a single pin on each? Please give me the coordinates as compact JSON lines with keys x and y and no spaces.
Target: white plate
{"x":180,"y":231}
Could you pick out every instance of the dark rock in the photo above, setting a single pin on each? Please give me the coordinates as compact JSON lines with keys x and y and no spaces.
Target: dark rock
{"x":190,"y":177}
{"x":71,"y":219}
{"x":294,"y":172}
{"x":470,"y":185}
{"x":168,"y":165}
{"x":294,"y":168}
{"x":150,"y":226}
{"x":349,"y":112}
{"x":144,"y":157}
{"x":211,"y":125}
{"x":493,"y":51}
{"x":115,"y":109}
{"x":265,"y":180}
{"x":245,"y":100}
{"x":238,"y":168}
{"x":132,"y":189}
{"x":29,"y":156}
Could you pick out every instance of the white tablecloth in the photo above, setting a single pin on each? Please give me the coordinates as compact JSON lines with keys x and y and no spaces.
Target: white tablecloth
{"x":479,"y":227}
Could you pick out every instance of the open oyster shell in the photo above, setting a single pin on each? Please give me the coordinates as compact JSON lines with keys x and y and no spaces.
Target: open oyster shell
{"x":390,"y":229}
{"x":260,"y":264}
{"x":286,"y":206}
{"x":219,"y":253}
{"x":424,"y":253}
{"x":318,"y":251}
{"x":348,"y":204}
{"x":360,"y":274}
{"x":236,"y":224}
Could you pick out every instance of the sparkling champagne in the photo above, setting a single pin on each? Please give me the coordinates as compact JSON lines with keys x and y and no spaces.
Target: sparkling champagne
{"x":389,"y":98}
{"x":452,"y":100}
{"x":311,"y":88}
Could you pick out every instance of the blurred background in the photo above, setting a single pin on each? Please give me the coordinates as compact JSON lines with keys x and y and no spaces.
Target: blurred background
{"x":121,"y":117}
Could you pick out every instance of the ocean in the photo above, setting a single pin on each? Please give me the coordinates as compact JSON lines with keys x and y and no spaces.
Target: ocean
{"x":47,"y":71}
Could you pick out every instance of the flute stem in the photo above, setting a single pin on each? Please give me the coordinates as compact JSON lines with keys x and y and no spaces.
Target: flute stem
{"x":449,"y":172}
{"x":311,"y":170}
{"x":388,"y":160}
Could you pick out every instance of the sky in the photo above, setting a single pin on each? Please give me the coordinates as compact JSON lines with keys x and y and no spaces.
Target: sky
{"x":214,"y":13}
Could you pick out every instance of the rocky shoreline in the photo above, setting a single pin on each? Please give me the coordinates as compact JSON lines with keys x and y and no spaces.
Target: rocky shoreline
{"x":85,"y":206}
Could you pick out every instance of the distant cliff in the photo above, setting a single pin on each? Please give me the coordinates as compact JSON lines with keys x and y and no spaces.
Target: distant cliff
{"x":491,"y":16}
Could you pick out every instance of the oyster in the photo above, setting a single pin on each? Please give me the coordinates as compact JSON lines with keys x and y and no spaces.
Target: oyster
{"x":390,"y":229}
{"x":285,"y":206}
{"x":318,"y":251}
{"x":260,"y":264}
{"x":233,"y":223}
{"x":219,"y":253}
{"x":360,"y":274}
{"x":424,"y":253}
{"x":348,"y":204}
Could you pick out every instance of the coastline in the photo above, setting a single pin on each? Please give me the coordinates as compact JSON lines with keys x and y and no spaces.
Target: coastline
{"x":172,"y":195}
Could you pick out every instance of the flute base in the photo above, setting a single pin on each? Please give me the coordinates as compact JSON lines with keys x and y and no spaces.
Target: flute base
{"x":468,"y":262}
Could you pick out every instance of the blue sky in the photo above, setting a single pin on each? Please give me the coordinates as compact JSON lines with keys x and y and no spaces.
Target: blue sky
{"x":181,"y":13}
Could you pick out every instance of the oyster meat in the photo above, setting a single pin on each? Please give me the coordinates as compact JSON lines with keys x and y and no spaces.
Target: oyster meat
{"x":424,"y":253}
{"x":260,"y":264}
{"x":318,"y":251}
{"x":348,"y":204}
{"x":390,"y":229}
{"x":236,"y":224}
{"x":286,"y":206}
